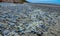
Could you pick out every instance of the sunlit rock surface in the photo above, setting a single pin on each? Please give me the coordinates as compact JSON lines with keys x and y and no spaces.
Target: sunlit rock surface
{"x":19,"y":19}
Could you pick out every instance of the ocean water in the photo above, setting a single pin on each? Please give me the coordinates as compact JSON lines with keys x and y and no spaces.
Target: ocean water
{"x":45,"y":1}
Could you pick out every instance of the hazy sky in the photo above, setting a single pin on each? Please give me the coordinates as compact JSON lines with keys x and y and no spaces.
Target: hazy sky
{"x":45,"y":1}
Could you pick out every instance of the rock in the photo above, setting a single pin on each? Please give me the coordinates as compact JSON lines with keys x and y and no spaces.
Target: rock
{"x":0,"y":34}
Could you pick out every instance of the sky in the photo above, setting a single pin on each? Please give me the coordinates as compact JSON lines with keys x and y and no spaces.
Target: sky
{"x":45,"y":1}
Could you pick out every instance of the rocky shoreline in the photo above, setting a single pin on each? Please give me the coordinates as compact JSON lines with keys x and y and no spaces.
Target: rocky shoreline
{"x":17,"y":20}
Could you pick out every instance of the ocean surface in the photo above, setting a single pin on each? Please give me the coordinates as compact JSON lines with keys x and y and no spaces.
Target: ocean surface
{"x":45,"y":1}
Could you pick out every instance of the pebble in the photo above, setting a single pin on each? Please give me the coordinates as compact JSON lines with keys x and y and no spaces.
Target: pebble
{"x":0,"y":34}
{"x":5,"y":32}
